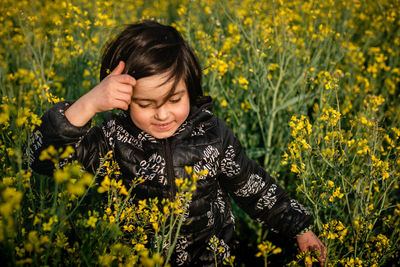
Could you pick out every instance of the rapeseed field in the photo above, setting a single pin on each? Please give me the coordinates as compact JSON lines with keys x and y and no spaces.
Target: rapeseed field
{"x":311,"y":89}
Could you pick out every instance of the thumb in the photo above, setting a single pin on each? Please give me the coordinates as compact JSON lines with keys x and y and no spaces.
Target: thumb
{"x":118,"y":69}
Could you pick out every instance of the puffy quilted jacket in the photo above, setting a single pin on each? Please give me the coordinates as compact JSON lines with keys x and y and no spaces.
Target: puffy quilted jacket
{"x":203,"y":142}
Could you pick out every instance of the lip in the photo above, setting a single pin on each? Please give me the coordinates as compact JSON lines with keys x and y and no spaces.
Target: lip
{"x":163,"y":126}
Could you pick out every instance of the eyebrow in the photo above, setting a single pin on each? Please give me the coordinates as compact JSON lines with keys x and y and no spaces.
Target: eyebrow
{"x":153,"y":100}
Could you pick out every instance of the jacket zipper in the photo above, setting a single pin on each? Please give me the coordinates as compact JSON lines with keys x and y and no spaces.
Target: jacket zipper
{"x":170,"y":168}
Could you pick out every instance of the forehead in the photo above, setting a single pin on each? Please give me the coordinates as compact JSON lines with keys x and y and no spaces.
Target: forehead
{"x":156,"y":86}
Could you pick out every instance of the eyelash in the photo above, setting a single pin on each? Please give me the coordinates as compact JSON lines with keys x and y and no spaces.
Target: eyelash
{"x":173,"y":101}
{"x":143,"y":106}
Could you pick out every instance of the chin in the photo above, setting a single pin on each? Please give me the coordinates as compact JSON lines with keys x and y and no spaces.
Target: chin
{"x":162,"y":135}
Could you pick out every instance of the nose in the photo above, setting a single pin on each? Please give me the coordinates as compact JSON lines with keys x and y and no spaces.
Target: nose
{"x":161,"y":113}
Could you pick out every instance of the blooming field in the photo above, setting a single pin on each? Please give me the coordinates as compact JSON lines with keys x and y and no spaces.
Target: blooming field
{"x":309,"y":87}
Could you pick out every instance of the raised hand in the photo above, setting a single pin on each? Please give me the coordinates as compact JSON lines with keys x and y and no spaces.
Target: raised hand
{"x":114,"y":91}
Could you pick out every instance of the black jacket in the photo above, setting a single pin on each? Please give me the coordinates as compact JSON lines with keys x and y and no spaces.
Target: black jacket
{"x":203,"y":142}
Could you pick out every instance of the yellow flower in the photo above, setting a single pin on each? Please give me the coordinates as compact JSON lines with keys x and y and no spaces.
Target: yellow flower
{"x":294,"y":168}
{"x":179,"y":182}
{"x":123,"y":191}
{"x":75,"y":189}
{"x":47,"y":226}
{"x":243,"y":82}
{"x":92,"y":221}
{"x":12,"y":199}
{"x":139,"y":247}
{"x":48,"y":153}
{"x":67,"y":152}
{"x":61,"y":176}
{"x":105,"y":185}
{"x":266,"y":248}
{"x":108,"y":211}
{"x":5,"y":114}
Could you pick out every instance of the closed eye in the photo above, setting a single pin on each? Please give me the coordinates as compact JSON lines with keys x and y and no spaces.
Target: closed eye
{"x":143,"y":105}
{"x":175,"y":100}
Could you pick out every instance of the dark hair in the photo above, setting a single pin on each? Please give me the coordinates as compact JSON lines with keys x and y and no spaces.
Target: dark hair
{"x":149,"y":48}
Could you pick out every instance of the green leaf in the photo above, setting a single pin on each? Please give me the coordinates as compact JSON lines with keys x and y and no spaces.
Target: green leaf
{"x":292,"y":102}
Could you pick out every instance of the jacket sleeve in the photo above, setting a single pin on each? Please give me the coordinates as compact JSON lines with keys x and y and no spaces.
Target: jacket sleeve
{"x":89,"y":143}
{"x":256,"y":192}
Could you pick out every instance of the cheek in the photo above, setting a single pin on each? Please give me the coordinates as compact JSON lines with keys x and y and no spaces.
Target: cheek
{"x":139,"y":117}
{"x":183,"y":112}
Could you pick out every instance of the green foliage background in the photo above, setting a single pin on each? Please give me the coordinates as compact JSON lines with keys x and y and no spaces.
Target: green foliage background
{"x":309,"y":87}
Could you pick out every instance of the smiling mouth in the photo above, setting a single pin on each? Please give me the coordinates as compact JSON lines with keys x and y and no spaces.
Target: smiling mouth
{"x":163,"y":126}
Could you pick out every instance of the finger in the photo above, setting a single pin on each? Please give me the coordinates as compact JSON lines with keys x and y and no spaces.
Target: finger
{"x":121,"y":104}
{"x":126,"y":79}
{"x":322,"y":257}
{"x":125,"y":89}
{"x":125,"y":98}
{"x":124,"y":92}
{"x":118,"y":69}
{"x":321,"y":261}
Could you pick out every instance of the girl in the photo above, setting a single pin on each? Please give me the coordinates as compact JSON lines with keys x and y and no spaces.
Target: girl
{"x":166,"y":124}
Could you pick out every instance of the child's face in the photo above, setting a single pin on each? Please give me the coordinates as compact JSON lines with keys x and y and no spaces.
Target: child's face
{"x":146,"y":112}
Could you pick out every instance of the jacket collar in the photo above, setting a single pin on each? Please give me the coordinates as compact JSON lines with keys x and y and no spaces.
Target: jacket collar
{"x":199,"y":112}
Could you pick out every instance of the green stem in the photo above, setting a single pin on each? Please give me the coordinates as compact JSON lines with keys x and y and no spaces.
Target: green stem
{"x":272,"y":119}
{"x":179,"y":218}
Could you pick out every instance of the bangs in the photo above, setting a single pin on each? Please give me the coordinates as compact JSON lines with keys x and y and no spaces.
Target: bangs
{"x":176,"y":74}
